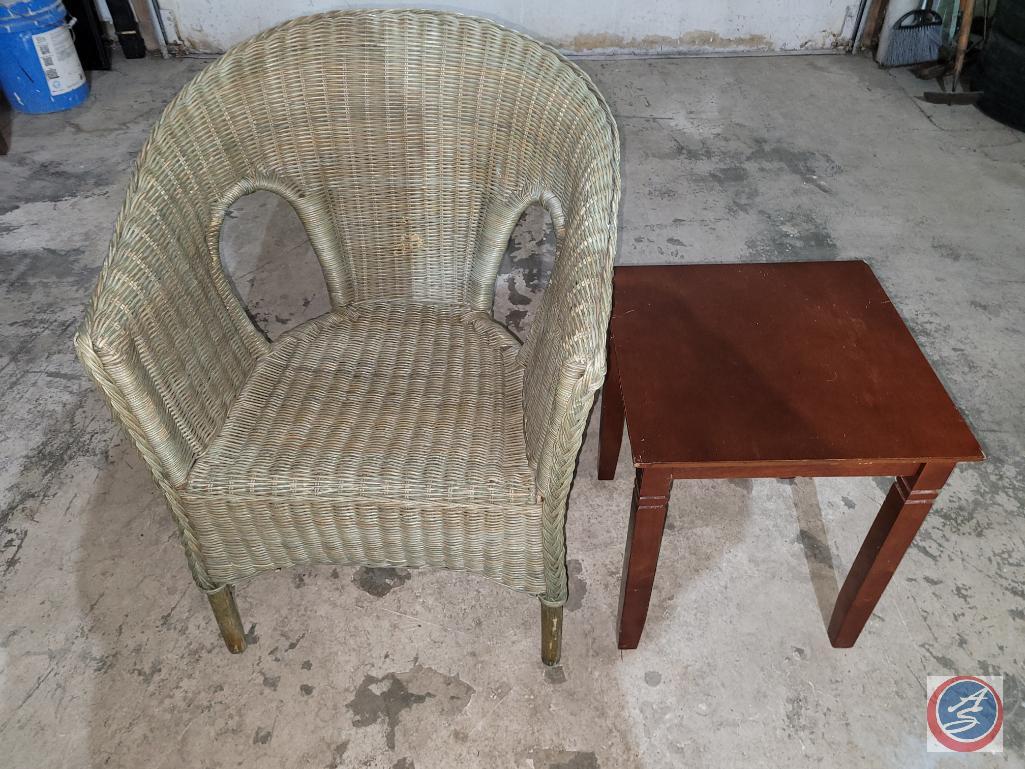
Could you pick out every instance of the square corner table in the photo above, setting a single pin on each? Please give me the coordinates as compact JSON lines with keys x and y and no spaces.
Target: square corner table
{"x":772,"y":371}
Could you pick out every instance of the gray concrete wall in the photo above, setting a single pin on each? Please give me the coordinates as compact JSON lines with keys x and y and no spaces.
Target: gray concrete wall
{"x":576,"y":26}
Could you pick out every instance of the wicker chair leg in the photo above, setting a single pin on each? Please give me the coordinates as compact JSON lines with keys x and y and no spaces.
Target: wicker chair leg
{"x":551,"y":634}
{"x":228,"y":619}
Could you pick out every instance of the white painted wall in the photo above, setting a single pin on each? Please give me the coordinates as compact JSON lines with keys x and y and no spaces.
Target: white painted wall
{"x":667,"y":26}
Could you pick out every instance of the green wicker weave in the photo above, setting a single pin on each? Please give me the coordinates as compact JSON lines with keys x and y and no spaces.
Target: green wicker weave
{"x":405,"y":427}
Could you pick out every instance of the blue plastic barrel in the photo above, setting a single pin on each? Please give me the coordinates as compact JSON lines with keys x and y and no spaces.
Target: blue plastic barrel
{"x":39,"y":66}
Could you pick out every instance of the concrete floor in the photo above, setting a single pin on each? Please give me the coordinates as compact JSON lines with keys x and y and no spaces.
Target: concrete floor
{"x":109,"y":656}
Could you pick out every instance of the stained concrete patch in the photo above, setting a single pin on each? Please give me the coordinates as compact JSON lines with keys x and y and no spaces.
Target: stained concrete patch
{"x":525,"y":269}
{"x":744,"y":170}
{"x":1014,"y":709}
{"x":384,"y":699}
{"x":74,"y":435}
{"x":337,"y":755}
{"x":810,"y":167}
{"x":23,"y":269}
{"x":387,"y":698}
{"x":379,"y":581}
{"x":652,"y":678}
{"x":794,"y":236}
{"x":727,"y":175}
{"x":796,"y":716}
{"x":690,"y":147}
{"x":10,"y":547}
{"x":251,"y":637}
{"x":946,"y":664}
{"x":921,"y":548}
{"x":962,"y":519}
{"x":515,"y":296}
{"x":50,"y":181}
{"x":404,"y":763}
{"x":148,"y":675}
{"x":577,"y":585}
{"x":947,"y":251}
{"x":817,"y":550}
{"x":739,"y":197}
{"x":564,"y":759}
{"x":271,"y":682}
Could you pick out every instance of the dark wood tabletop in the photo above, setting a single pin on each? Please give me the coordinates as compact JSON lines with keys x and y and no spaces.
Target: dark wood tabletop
{"x":772,"y":370}
{"x":764,"y":362}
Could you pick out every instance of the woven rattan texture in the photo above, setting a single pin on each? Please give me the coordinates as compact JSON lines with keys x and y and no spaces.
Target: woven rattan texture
{"x":383,"y":434}
{"x":409,"y":143}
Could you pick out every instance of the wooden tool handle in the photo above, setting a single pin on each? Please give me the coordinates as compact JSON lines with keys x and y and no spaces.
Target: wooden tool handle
{"x":967,"y":16}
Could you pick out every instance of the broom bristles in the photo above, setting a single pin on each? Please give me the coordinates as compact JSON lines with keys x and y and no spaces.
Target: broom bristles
{"x":912,"y":45}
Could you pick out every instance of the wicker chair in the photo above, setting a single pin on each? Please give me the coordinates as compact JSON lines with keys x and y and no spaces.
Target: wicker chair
{"x":405,"y":427}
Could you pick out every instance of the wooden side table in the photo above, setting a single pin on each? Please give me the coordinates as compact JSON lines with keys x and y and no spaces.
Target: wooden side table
{"x":773,"y":371}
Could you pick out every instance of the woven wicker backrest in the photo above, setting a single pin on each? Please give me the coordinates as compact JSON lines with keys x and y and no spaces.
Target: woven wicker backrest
{"x":409,"y":143}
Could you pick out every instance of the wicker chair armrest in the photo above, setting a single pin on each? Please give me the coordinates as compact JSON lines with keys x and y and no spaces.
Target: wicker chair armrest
{"x":170,"y":375}
{"x":564,"y":362}
{"x":570,"y":387}
{"x":167,"y":341}
{"x":166,"y":337}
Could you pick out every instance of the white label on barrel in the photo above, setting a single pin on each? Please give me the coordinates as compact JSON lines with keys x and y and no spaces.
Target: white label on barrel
{"x":59,"y":60}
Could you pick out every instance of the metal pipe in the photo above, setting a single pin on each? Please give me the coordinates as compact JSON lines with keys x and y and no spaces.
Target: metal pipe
{"x":158,"y":28}
{"x":856,"y":37}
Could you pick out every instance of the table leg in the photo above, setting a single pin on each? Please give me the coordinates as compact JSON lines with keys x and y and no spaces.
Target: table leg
{"x":610,"y":432}
{"x":910,"y":499}
{"x":643,"y":541}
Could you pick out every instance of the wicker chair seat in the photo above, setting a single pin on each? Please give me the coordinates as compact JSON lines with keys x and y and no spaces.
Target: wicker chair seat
{"x":386,"y":434}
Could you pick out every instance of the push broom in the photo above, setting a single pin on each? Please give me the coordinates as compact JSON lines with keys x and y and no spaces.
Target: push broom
{"x":914,"y":38}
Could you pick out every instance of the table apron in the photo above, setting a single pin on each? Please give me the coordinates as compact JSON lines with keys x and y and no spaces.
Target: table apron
{"x":790,"y":469}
